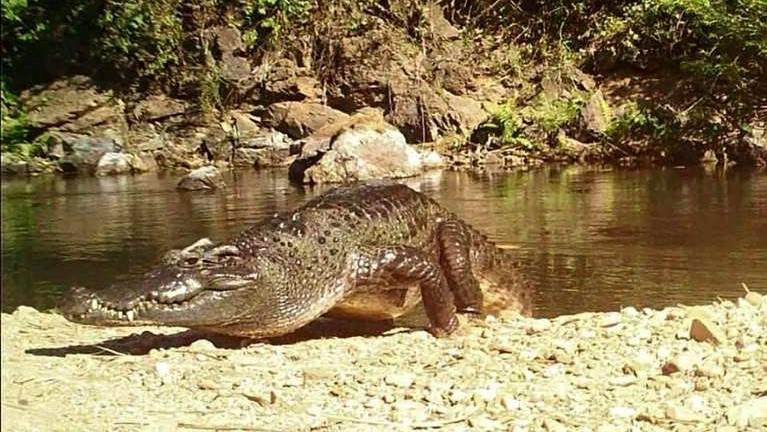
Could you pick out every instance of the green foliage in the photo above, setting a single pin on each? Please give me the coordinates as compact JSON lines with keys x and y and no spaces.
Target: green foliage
{"x":267,"y":18}
{"x":551,"y":114}
{"x":142,"y":37}
{"x":508,"y":126}
{"x":14,"y":130}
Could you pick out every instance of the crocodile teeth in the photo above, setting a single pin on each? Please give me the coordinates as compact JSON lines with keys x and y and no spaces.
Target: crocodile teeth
{"x":130,"y":314}
{"x":94,"y":304}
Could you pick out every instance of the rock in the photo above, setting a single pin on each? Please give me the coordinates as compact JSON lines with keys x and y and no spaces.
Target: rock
{"x":205,"y":178}
{"x":360,"y":148}
{"x":202,"y":345}
{"x":609,"y":319}
{"x":622,"y":412}
{"x":682,"y":414}
{"x":539,"y":325}
{"x":704,"y":330}
{"x":401,"y":380}
{"x":72,"y":104}
{"x":710,"y":369}
{"x":157,"y":108}
{"x":596,"y":115}
{"x":163,"y":371}
{"x":752,"y":413}
{"x":246,"y":125}
{"x":268,"y":139}
{"x":300,"y":119}
{"x":11,"y":164}
{"x":82,"y":153}
{"x":287,"y":82}
{"x":552,"y":425}
{"x":431,"y":159}
{"x":511,"y":403}
{"x":228,"y":40}
{"x":113,"y":163}
{"x":246,"y":157}
{"x":754,"y":298}
{"x":683,"y":362}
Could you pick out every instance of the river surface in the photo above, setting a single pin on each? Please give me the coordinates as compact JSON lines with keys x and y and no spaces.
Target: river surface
{"x":589,"y":239}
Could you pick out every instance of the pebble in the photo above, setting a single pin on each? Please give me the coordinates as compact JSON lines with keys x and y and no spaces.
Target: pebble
{"x":553,"y":426}
{"x":539,"y":325}
{"x":484,"y":423}
{"x":202,"y":345}
{"x":401,"y":380}
{"x":683,"y":362}
{"x":755,"y":299}
{"x":622,"y":412}
{"x":510,"y":403}
{"x":749,"y":414}
{"x":682,"y":414}
{"x":163,"y":371}
{"x":702,"y":329}
{"x":610,"y":319}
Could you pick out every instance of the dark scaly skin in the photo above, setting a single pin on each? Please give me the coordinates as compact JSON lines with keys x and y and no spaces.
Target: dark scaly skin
{"x":368,"y":252}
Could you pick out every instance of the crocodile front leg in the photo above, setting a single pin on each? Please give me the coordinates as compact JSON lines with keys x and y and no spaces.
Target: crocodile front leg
{"x":401,"y":266}
{"x":454,"y":243}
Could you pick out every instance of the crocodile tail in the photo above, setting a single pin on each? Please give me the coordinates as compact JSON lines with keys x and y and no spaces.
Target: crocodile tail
{"x":503,"y":284}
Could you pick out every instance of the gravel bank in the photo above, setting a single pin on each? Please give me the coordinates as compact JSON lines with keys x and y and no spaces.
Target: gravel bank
{"x":681,"y":368}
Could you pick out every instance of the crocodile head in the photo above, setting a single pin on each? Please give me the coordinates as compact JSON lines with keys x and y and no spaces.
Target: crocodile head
{"x":200,"y":287}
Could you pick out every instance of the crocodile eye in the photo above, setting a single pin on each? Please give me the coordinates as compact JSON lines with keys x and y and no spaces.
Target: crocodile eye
{"x":191,"y":260}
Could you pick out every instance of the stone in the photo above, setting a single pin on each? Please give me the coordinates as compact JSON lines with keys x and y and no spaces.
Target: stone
{"x":511,"y":403}
{"x":683,"y":362}
{"x":202,"y":345}
{"x":360,"y":150}
{"x":286,"y":81}
{"x":300,"y":119}
{"x":752,"y":413}
{"x":609,"y":319}
{"x":228,"y":40}
{"x":205,"y":178}
{"x":702,"y":329}
{"x":754,"y":298}
{"x":596,"y":115}
{"x":622,"y":412}
{"x":73,"y":104}
{"x":710,"y":369}
{"x":682,"y":414}
{"x":158,"y":107}
{"x":268,"y":139}
{"x":113,"y":163}
{"x":552,"y":425}
{"x":539,"y":325}
{"x":82,"y":153}
{"x":401,"y":380}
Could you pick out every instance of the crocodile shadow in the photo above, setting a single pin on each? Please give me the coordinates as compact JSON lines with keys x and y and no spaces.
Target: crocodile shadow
{"x":142,"y":343}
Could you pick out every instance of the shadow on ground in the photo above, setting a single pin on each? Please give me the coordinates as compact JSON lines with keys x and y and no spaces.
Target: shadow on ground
{"x":142,"y":343}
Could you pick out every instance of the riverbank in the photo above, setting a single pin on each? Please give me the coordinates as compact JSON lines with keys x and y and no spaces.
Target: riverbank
{"x":180,"y":85}
{"x":686,"y":368}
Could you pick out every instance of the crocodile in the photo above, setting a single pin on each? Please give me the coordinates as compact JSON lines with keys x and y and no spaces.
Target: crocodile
{"x":369,"y":251}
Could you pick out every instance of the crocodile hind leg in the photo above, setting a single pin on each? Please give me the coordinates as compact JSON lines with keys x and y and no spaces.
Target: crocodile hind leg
{"x":402,"y":265}
{"x":454,"y":243}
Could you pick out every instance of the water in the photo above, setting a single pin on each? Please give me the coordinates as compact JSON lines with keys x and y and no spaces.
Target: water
{"x":589,"y":239}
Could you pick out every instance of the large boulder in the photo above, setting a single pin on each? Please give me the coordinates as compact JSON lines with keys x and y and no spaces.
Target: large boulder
{"x":300,"y":119}
{"x":114,"y":163}
{"x":205,"y":178}
{"x":287,"y":82}
{"x":361,"y":148}
{"x":79,"y":153}
{"x":76,"y":105}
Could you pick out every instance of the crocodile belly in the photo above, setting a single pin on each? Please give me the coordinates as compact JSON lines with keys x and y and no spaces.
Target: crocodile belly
{"x":377,"y":304}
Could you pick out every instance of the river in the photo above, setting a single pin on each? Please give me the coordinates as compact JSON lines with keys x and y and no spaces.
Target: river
{"x":589,"y":239}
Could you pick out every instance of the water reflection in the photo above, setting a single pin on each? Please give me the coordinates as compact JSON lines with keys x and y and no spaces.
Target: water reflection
{"x":590,"y":239}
